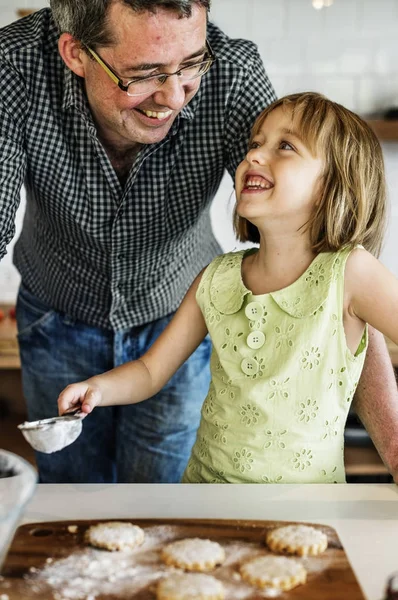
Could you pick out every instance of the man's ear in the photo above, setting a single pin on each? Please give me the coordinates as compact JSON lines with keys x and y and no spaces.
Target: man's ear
{"x":71,"y":53}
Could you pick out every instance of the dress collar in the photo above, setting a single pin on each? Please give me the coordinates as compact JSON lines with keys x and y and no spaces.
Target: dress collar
{"x":300,"y":299}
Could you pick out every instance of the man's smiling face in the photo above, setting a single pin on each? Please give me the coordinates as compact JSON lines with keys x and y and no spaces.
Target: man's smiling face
{"x":146,"y":43}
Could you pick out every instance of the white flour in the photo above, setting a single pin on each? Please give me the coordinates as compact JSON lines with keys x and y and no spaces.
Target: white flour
{"x":89,"y":573}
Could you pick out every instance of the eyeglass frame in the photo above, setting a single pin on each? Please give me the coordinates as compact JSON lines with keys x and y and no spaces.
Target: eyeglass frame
{"x":119,"y":80}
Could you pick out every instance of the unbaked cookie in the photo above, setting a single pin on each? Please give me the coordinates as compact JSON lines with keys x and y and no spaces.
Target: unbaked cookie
{"x":193,"y":554}
{"x":277,"y":572}
{"x":302,"y":540}
{"x":190,"y":586}
{"x":115,"y":535}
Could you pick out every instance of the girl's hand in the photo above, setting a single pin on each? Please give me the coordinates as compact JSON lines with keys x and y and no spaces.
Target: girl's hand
{"x":84,"y":394}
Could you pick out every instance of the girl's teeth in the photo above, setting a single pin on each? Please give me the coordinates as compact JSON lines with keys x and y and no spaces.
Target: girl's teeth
{"x":254,"y":183}
{"x":157,"y":115}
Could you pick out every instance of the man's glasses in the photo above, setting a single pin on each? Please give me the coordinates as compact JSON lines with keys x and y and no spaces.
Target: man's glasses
{"x":139,"y":86}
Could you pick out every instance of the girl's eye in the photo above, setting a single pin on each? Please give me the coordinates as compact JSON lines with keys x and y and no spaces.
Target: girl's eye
{"x":285,"y":146}
{"x":253,"y":145}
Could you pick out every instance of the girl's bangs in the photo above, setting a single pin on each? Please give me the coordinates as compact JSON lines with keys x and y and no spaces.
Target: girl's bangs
{"x":312,"y":117}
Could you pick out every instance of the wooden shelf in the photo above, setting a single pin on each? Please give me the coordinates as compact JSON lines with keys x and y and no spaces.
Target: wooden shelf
{"x":363,"y":461}
{"x":24,"y":12}
{"x":385,"y":130}
{"x":9,"y":354}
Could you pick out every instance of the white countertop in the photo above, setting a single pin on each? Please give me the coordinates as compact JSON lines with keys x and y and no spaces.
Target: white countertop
{"x":364,"y":516}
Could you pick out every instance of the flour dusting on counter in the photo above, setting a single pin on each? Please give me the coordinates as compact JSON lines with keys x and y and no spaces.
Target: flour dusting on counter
{"x":82,"y":572}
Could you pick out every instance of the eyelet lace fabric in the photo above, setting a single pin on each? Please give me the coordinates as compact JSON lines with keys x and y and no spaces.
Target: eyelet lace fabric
{"x":282,"y":377}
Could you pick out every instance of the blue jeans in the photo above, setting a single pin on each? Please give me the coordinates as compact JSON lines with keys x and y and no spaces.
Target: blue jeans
{"x":149,"y":442}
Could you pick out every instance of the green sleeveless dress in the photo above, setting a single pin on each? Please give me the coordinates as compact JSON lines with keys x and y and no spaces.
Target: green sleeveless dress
{"x":282,"y":377}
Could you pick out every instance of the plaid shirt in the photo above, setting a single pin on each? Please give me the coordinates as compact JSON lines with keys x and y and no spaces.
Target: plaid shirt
{"x":109,"y":255}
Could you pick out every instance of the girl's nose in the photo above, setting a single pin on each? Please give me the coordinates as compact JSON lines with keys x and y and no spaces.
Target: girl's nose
{"x":257,"y":156}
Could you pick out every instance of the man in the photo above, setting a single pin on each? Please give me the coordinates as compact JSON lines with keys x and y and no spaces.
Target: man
{"x":120,"y":116}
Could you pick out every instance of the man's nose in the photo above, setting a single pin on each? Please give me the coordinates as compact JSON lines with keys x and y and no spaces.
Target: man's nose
{"x":171,"y":93}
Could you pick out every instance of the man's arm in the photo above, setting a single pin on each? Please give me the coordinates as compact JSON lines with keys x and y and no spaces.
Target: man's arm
{"x":376,"y":401}
{"x":13,"y":111}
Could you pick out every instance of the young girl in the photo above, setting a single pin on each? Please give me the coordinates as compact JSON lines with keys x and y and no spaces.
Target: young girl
{"x":288,"y":319}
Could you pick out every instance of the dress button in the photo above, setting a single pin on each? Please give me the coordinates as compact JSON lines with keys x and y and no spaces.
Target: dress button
{"x":254,"y":310}
{"x":255,"y":340}
{"x":249,"y":366}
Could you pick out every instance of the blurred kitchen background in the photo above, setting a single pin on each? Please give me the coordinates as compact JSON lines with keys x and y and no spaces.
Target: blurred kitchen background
{"x":346,"y":49}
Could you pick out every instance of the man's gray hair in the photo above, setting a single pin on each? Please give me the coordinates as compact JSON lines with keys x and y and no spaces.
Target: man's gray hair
{"x":87,"y":20}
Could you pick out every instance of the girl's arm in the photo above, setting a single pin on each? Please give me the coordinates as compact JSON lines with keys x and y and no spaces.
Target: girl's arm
{"x":372,"y":293}
{"x":140,"y":379}
{"x":372,"y":296}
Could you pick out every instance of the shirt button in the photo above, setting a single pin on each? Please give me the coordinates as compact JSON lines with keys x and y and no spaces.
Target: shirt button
{"x":255,"y":340}
{"x":249,"y":366}
{"x":254,"y":310}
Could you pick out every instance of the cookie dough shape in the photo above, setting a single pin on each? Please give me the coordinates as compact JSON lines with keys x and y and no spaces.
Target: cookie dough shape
{"x":190,"y":586}
{"x":279,"y":572}
{"x":115,"y":535}
{"x":302,"y":540}
{"x":193,"y":554}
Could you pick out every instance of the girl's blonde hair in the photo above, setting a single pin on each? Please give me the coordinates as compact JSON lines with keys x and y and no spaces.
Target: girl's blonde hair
{"x":352,"y":207}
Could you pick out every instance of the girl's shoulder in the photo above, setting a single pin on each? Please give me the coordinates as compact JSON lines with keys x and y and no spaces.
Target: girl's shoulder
{"x":223,"y":264}
{"x":362,"y":268}
{"x":359,"y":257}
{"x":305,"y":296}
{"x":222,"y":284}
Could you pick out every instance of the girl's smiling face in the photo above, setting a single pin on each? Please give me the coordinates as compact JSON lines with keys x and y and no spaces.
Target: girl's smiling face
{"x":279,"y":177}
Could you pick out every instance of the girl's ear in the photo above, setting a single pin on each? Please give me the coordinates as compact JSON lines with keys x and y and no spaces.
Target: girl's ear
{"x":71,"y":53}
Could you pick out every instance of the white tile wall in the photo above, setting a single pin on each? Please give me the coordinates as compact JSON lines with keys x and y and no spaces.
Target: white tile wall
{"x":348,"y":52}
{"x":343,"y":20}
